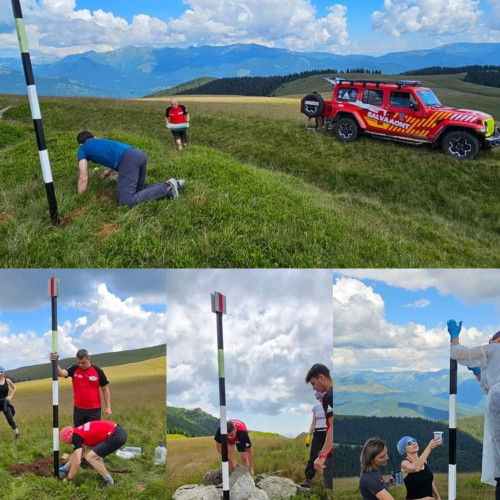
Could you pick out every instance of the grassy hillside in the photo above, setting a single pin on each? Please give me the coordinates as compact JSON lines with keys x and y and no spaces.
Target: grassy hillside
{"x":191,"y":84}
{"x":190,"y":422}
{"x":261,"y":192}
{"x":188,"y":459}
{"x":35,"y":372}
{"x":138,"y":404}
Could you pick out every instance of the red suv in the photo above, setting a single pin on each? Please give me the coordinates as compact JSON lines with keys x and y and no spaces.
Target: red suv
{"x":402,"y":111}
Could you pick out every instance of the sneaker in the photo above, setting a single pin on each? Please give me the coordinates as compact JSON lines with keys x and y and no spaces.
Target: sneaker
{"x":173,"y":192}
{"x":306,"y":483}
{"x":181,"y":184}
{"x":109,"y":481}
{"x":18,"y":436}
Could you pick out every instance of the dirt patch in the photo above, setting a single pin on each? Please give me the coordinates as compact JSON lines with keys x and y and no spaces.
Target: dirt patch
{"x":107,"y":229}
{"x":44,"y":467}
{"x":71,"y":216}
{"x":4,"y":215}
{"x":106,"y":194}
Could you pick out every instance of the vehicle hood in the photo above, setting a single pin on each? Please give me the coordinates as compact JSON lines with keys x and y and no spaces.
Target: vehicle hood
{"x":461,"y":114}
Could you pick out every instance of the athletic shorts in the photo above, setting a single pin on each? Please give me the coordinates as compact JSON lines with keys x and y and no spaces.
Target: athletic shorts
{"x":244,"y":445}
{"x":328,"y":473}
{"x":113,"y":443}
{"x":81,"y":416}
{"x":180,"y":134}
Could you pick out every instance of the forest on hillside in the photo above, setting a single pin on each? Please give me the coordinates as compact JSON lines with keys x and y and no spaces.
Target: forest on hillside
{"x":480,"y":75}
{"x":190,"y":423}
{"x":351,"y":433}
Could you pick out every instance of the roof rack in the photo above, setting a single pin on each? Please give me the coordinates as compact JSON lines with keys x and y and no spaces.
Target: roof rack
{"x":377,"y":83}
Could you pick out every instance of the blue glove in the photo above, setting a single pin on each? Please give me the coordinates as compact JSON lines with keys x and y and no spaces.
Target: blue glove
{"x":454,"y":329}
{"x":476,"y":370}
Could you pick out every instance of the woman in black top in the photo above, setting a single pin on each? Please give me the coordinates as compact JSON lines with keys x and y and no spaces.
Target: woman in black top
{"x":418,"y":477}
{"x":5,"y":405}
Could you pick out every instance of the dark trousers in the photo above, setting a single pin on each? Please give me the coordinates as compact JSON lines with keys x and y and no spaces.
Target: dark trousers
{"x":497,"y":489}
{"x":317,"y":443}
{"x":132,"y":180}
{"x":6,"y":409}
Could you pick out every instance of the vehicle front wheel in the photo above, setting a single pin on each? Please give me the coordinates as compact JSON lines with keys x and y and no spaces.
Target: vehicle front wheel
{"x":346,"y":129}
{"x":461,"y":144}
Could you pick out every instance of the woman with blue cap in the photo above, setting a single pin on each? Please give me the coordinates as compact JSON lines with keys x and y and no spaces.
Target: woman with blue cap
{"x":5,"y":405}
{"x":485,"y":360}
{"x":417,"y":476}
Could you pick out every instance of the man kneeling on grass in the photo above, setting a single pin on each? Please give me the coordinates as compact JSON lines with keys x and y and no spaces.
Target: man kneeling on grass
{"x":103,"y":436}
{"x":128,"y":163}
{"x":237,"y":435}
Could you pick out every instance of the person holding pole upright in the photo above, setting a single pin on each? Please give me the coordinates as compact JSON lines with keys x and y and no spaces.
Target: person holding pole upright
{"x":487,"y":358}
{"x":319,"y":378}
{"x":5,"y":401}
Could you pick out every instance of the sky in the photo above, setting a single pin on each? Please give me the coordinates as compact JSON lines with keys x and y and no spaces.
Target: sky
{"x":60,"y":27}
{"x":396,"y":320}
{"x":98,"y":310}
{"x":278,"y":324}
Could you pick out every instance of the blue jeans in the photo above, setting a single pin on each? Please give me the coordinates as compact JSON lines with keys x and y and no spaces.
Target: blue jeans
{"x":132,"y":180}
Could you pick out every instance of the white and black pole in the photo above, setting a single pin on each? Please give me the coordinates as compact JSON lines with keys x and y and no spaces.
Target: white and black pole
{"x":219,"y":308}
{"x":35,"y":111}
{"x":452,"y":439}
{"x":54,"y":288}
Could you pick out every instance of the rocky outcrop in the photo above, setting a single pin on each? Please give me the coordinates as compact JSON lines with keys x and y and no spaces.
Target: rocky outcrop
{"x":242,"y":487}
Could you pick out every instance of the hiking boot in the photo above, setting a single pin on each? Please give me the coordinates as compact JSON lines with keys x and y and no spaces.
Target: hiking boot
{"x":173,"y":191}
{"x":306,"y":483}
{"x":181,"y":184}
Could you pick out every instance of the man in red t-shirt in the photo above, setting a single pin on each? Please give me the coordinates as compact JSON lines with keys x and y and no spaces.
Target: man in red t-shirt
{"x":237,"y":435}
{"x":87,"y":379}
{"x":103,"y":436}
{"x":319,"y":378}
{"x":177,"y":114}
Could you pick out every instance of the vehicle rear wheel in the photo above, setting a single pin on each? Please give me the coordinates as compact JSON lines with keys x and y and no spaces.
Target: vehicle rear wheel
{"x":460,"y":144}
{"x":346,"y":129}
{"x":312,"y":105}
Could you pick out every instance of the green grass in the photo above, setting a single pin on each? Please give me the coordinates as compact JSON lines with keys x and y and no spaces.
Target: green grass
{"x":190,"y":458}
{"x":137,"y":405}
{"x":469,"y":487}
{"x":261,"y":192}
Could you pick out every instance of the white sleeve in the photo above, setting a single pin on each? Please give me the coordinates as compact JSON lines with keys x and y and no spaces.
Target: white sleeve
{"x":469,"y":356}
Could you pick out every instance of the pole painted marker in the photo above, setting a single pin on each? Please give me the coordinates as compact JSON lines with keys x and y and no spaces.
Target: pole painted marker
{"x":35,"y":111}
{"x":219,"y":308}
{"x":452,"y":440}
{"x":54,"y":288}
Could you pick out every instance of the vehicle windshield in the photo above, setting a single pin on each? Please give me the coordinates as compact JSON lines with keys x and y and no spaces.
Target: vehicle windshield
{"x":428,"y":97}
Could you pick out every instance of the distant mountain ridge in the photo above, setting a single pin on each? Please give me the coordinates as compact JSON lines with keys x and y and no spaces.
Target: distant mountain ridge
{"x":190,"y":423}
{"x":35,"y":372}
{"x":138,"y":71}
{"x":405,"y":394}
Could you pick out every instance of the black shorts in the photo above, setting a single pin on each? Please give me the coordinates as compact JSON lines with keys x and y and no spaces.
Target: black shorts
{"x":81,"y":416}
{"x":180,"y":134}
{"x":113,"y":443}
{"x":244,"y":443}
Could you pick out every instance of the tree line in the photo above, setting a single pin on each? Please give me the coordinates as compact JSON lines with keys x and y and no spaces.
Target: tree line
{"x":350,"y":433}
{"x":480,"y":75}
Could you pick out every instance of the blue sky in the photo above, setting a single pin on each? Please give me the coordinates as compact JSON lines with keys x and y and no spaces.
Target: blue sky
{"x":390,"y":320}
{"x":60,"y":27}
{"x":99,"y":310}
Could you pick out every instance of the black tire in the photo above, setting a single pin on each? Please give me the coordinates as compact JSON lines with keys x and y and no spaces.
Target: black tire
{"x":460,"y":144}
{"x":312,"y":105}
{"x":346,"y":129}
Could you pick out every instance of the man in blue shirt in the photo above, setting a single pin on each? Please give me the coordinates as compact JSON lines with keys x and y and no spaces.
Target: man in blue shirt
{"x":130,"y":164}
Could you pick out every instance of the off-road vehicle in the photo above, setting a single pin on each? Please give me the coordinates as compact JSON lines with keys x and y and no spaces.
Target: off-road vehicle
{"x":402,"y":111}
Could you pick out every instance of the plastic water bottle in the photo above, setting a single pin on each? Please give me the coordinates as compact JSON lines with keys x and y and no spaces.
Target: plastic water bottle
{"x":160,"y":454}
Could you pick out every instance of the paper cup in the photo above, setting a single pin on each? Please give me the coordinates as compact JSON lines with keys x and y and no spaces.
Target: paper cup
{"x":439,"y":435}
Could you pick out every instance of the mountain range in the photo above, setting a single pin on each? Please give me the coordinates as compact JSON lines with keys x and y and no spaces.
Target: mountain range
{"x":405,"y":394}
{"x":137,"y":71}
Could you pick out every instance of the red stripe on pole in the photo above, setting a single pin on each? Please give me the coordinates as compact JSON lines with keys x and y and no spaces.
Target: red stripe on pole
{"x":221,"y":302}
{"x":52,"y":287}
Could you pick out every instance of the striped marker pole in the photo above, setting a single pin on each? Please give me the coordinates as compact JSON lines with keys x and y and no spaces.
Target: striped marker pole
{"x":219,"y":308}
{"x":35,"y":111}
{"x":54,"y":286}
{"x":452,"y":442}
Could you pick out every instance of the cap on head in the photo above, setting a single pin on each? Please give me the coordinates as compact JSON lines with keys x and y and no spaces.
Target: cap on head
{"x":402,"y":445}
{"x":66,"y":434}
{"x":2,"y":369}
{"x":84,"y":136}
{"x":495,"y":336}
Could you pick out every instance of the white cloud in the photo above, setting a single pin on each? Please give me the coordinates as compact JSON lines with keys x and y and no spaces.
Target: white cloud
{"x":418,"y":304}
{"x":427,"y":16}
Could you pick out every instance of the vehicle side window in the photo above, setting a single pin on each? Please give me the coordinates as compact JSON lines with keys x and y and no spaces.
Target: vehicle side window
{"x":373,"y":96}
{"x":400,"y":99}
{"x":346,"y":94}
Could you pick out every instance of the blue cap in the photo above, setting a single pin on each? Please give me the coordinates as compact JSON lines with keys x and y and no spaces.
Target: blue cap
{"x":402,"y":445}
{"x":2,"y":369}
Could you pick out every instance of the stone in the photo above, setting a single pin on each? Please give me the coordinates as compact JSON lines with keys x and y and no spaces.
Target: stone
{"x":197,"y":492}
{"x":277,"y":488}
{"x":213,"y":476}
{"x":242,"y":486}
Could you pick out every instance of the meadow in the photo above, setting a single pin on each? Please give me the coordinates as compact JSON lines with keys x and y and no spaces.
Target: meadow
{"x":261,"y":190}
{"x":188,"y":459}
{"x":138,"y":404}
